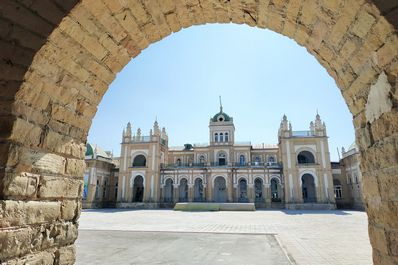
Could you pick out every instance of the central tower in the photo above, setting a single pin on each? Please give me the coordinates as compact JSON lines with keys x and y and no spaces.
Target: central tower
{"x":221,"y":128}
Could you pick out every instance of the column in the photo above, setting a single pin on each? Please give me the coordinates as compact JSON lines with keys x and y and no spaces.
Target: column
{"x":190,"y":192}
{"x":267,"y":194}
{"x":250,"y":192}
{"x":176,"y":194}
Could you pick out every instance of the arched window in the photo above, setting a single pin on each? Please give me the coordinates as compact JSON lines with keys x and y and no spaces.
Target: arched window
{"x":271,"y":159}
{"x":242,"y":160}
{"x":258,"y":187}
{"x":139,"y":161}
{"x":216,"y":137}
{"x":221,"y":137}
{"x":222,"y":159}
{"x":226,"y":137}
{"x":257,"y":160}
{"x":178,"y":162}
{"x":202,"y":160}
{"x":305,"y":157}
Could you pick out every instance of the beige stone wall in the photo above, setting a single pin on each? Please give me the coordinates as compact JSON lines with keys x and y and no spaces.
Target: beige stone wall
{"x":59,"y":57}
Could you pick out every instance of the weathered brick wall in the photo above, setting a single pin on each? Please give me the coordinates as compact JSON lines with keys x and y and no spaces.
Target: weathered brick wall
{"x":59,"y":57}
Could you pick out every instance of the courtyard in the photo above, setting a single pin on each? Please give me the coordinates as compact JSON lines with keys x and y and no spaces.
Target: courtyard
{"x":116,"y":236}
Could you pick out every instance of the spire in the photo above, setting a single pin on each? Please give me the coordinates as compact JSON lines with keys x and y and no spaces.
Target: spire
{"x":128,"y":129}
{"x":220,"y":105}
{"x":156,"y":129}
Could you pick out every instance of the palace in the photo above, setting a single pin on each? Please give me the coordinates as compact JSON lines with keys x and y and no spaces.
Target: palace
{"x":295,"y":174}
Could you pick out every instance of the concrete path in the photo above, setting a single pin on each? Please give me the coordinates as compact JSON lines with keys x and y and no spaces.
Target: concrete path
{"x":307,"y":237}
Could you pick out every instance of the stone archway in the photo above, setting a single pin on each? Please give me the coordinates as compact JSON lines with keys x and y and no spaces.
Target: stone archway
{"x":59,"y":57}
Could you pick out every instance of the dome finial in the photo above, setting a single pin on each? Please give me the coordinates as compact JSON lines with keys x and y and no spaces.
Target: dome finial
{"x":220,"y":105}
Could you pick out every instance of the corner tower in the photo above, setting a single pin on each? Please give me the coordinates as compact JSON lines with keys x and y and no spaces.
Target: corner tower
{"x":221,"y":128}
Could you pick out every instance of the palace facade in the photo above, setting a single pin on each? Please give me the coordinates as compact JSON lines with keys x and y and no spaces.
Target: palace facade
{"x":295,"y":173}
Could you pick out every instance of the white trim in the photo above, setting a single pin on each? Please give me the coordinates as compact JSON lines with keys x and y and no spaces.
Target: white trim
{"x":123,"y":186}
{"x":180,"y":177}
{"x":218,"y":175}
{"x":152,"y":186}
{"x":153,"y":157}
{"x":323,"y":154}
{"x":325,"y":179}
{"x":275,"y":177}
{"x":289,"y":162}
{"x":134,"y":175}
{"x":312,"y":173}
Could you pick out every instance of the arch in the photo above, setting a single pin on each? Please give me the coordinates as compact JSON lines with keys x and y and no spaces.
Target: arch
{"x":168,"y":190}
{"x":68,"y":56}
{"x":183,"y":190}
{"x":139,"y":161}
{"x":178,"y":162}
{"x":202,"y":160}
{"x":312,"y":173}
{"x":220,"y":189}
{"x":276,"y":189}
{"x":271,"y":159}
{"x":257,"y":160}
{"x":308,"y":188}
{"x":181,"y":177}
{"x":242,"y":160}
{"x":222,"y":158}
{"x":198,"y":195}
{"x":258,"y":189}
{"x":242,"y":190}
{"x":305,"y":157}
{"x":275,"y":177}
{"x":138,"y":189}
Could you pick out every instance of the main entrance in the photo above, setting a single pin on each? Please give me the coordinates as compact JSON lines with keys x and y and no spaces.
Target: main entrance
{"x":220,"y":190}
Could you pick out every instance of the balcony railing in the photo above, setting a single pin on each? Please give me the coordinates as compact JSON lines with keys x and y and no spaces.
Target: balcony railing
{"x":271,"y":165}
{"x":303,"y":133}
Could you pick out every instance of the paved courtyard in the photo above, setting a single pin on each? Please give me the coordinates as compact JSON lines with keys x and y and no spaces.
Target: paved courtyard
{"x":115,"y":236}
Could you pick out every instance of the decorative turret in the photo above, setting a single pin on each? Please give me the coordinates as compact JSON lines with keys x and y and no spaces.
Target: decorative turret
{"x":126,"y":137}
{"x":138,"y":135}
{"x":156,"y":129}
{"x":128,"y":131}
{"x":285,"y":128}
{"x":319,"y":127}
{"x":164,"y":134}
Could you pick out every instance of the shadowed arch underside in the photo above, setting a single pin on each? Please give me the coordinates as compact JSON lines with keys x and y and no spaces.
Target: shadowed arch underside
{"x":59,"y":57}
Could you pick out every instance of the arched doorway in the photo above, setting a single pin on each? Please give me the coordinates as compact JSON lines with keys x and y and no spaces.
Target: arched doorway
{"x":275,"y":190}
{"x":242,"y":193}
{"x":183,"y":190}
{"x":308,"y":188}
{"x":258,"y":189}
{"x":220,"y":189}
{"x":138,"y":189}
{"x":198,"y":190}
{"x":168,"y":191}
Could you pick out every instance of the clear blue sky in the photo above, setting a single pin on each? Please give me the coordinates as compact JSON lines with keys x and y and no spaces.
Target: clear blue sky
{"x":260,"y":75}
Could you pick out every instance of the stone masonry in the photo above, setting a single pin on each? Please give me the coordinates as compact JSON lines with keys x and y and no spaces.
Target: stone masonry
{"x":59,"y":57}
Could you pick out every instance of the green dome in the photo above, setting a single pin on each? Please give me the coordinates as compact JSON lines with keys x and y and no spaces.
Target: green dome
{"x":221,"y":116}
{"x":89,"y":150}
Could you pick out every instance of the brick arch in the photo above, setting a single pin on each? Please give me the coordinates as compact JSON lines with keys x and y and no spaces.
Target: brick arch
{"x":59,"y":58}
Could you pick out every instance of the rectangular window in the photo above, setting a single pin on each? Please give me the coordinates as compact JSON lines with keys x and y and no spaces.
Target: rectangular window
{"x":337,"y":192}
